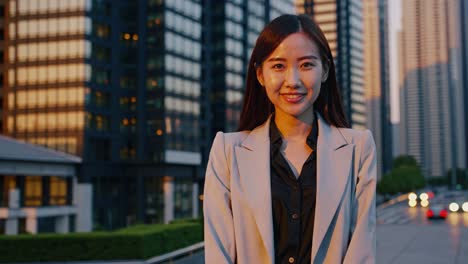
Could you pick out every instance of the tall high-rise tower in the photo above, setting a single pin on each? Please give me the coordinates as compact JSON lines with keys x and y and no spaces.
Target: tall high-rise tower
{"x":117,"y":83}
{"x":376,"y":79}
{"x":431,"y":92}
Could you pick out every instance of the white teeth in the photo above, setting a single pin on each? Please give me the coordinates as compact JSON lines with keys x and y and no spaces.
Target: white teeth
{"x":292,"y":96}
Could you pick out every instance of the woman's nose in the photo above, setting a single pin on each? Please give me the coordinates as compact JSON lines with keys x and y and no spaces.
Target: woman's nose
{"x":292,"y":78}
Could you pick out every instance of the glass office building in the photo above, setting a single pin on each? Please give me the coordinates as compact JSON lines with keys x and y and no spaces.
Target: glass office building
{"x":117,"y":83}
{"x":2,"y":59}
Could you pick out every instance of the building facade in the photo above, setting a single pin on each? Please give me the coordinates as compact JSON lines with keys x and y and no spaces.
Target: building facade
{"x":463,"y":8}
{"x":376,"y":79}
{"x":432,"y":123}
{"x":118,"y":84}
{"x":39,"y":191}
{"x":341,"y":21}
{"x":2,"y":58}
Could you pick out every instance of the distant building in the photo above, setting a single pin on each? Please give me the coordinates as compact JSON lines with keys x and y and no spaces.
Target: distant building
{"x":2,"y":58}
{"x":376,"y":79}
{"x":464,"y":66}
{"x":39,"y":191}
{"x":118,"y":84}
{"x":341,"y":21}
{"x":431,"y":102}
{"x":396,"y":139}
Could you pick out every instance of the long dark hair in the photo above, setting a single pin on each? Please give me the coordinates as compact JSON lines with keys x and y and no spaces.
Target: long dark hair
{"x":257,"y":107}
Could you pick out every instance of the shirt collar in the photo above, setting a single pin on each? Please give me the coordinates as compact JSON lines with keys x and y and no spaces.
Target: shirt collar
{"x":275,"y":134}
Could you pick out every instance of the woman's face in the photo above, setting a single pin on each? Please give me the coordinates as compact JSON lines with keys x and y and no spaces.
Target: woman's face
{"x":292,"y":76}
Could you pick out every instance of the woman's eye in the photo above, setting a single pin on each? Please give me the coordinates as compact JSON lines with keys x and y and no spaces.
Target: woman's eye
{"x":308,"y":65}
{"x":278,"y":66}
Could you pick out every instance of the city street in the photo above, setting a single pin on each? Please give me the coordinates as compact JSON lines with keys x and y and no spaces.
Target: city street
{"x":404,"y":235}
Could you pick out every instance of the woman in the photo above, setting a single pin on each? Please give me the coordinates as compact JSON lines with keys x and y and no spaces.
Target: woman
{"x":295,"y":185}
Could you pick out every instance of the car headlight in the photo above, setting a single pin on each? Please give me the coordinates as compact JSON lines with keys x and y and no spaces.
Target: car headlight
{"x":424,"y":203}
{"x":454,"y":207}
{"x":423,"y":196}
{"x":412,"y":196}
{"x":465,"y":207}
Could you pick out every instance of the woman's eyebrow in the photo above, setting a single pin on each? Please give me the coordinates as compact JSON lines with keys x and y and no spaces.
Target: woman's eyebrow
{"x":276,"y":59}
{"x":307,"y":57}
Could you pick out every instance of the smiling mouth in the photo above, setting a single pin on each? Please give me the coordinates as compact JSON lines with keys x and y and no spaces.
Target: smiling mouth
{"x":293,"y":98}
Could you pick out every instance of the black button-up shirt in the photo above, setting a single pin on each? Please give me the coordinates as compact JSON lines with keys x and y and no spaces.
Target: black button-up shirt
{"x":293,"y":200}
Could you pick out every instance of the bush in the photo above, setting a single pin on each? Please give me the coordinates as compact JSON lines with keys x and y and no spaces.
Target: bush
{"x":135,"y":242}
{"x":405,"y":177}
{"x":405,"y":161}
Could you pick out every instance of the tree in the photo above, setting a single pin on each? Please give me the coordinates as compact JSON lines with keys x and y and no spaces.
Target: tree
{"x":405,"y":160}
{"x":405,"y":176}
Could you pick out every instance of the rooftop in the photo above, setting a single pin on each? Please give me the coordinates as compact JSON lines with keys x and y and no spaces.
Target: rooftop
{"x":12,"y":149}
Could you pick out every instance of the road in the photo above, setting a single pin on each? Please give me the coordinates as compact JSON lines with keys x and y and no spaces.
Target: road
{"x":404,"y":235}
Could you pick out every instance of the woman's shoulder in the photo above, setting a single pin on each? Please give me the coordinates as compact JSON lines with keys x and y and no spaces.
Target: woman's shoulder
{"x":233,"y":138}
{"x":357,"y":136}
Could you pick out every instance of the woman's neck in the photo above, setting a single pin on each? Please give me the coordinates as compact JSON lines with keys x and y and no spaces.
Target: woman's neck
{"x":292,"y":127}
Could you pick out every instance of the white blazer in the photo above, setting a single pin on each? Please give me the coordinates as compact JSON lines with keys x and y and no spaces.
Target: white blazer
{"x":237,"y":198}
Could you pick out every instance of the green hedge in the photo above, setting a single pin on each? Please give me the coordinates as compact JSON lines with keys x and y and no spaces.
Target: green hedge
{"x":135,"y":242}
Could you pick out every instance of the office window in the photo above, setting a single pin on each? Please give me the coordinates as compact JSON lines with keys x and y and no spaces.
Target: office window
{"x":102,"y":31}
{"x":58,"y":191}
{"x":33,"y":191}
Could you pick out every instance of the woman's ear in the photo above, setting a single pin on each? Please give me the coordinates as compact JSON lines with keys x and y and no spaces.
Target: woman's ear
{"x":325,"y":67}
{"x":260,"y":76}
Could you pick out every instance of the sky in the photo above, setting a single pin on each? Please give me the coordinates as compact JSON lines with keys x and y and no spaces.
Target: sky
{"x":394,"y":26}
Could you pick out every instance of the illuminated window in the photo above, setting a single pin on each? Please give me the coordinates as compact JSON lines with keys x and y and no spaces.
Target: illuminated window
{"x":62,"y":120}
{"x":41,"y":98}
{"x":102,"y":31}
{"x":58,"y":191}
{"x":32,"y":75}
{"x":31,"y":122}
{"x":21,"y":99}
{"x":32,"y":98}
{"x":51,"y":121}
{"x":38,"y":27}
{"x":33,"y":191}
{"x":41,"y":121}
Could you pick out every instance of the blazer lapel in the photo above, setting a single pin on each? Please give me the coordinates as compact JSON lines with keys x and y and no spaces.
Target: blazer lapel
{"x":333,"y":169}
{"x":253,"y":159}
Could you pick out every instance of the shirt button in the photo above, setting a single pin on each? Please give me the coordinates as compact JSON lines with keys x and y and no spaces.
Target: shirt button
{"x":295,"y":216}
{"x":291,"y":260}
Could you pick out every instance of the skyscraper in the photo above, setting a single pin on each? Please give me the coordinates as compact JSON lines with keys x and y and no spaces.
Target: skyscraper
{"x":464,"y":65}
{"x":341,"y":21}
{"x":431,"y":90}
{"x":372,"y":76}
{"x":387,"y":131}
{"x":2,"y":58}
{"x":376,"y":79}
{"x":118,"y":83}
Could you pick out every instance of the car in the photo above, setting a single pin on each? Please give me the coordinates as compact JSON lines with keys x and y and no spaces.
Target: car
{"x":436,"y":211}
{"x":458,"y":206}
